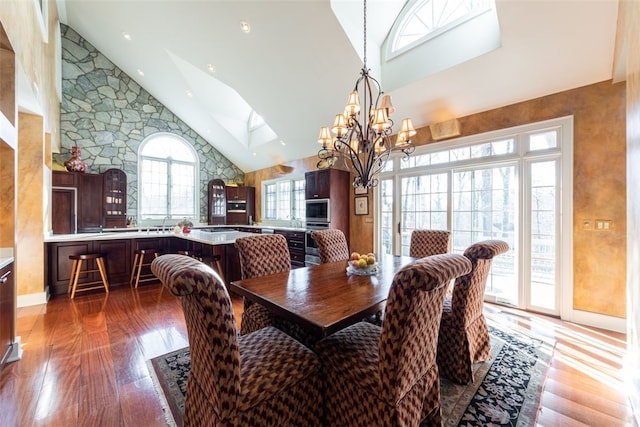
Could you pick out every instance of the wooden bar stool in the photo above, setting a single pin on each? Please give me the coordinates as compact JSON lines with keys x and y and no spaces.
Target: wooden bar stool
{"x":213,"y":261}
{"x":139,"y":264}
{"x":76,"y":271}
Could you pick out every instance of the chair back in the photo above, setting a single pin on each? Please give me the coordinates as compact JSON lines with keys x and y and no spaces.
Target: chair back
{"x":429,"y":242}
{"x":263,"y":254}
{"x":332,"y":245}
{"x":409,"y":335}
{"x":468,"y":292}
{"x":211,"y":326}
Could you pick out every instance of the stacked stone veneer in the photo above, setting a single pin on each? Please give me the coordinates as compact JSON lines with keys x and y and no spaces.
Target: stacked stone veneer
{"x":108,"y":115}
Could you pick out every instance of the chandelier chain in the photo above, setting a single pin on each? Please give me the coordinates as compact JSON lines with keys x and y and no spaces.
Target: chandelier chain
{"x":365,"y":35}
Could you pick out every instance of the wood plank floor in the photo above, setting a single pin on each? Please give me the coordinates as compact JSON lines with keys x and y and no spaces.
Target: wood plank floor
{"x":84,"y":363}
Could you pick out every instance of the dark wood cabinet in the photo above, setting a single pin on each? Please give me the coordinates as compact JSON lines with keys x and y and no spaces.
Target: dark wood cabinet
{"x":119,"y":256}
{"x":7,"y":312}
{"x":317,"y":184}
{"x":295,"y":241}
{"x":217,"y":202}
{"x":115,"y":198}
{"x":240,"y":205}
{"x":63,"y":210}
{"x":335,"y":185}
{"x":100,"y":201}
{"x":89,"y":202}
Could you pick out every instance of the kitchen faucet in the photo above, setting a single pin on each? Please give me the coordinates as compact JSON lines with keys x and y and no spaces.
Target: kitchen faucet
{"x":165,"y":218}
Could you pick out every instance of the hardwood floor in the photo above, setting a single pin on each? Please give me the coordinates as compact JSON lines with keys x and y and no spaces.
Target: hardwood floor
{"x":84,"y":363}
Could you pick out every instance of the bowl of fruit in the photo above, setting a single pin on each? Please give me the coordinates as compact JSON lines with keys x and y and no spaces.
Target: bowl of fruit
{"x":363,"y":264}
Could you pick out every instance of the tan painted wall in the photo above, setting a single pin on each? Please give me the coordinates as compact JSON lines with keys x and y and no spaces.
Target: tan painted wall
{"x":29,"y":252}
{"x":629,"y":34}
{"x":37,"y":60}
{"x":599,"y":184}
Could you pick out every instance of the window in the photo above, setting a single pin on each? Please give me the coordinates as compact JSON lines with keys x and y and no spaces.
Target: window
{"x":167,"y":183}
{"x":502,"y":185}
{"x":283,"y":200}
{"x":425,"y":18}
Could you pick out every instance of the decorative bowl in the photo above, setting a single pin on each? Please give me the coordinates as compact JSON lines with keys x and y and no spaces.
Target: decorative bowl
{"x":369,"y":270}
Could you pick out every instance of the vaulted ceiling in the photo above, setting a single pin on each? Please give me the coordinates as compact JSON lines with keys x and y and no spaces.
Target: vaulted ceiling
{"x":301,"y":58}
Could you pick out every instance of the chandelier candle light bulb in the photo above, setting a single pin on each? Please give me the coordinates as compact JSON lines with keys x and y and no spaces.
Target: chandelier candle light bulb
{"x":362,"y":132}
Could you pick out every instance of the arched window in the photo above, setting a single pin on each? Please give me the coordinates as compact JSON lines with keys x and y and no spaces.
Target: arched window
{"x":423,"y":19}
{"x":167,"y":178}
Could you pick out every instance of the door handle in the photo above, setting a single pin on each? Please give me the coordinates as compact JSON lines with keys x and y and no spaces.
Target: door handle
{"x":398,"y":228}
{"x":5,"y":277}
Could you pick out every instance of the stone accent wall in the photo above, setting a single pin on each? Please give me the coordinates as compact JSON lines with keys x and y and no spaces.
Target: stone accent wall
{"x":107,"y":114}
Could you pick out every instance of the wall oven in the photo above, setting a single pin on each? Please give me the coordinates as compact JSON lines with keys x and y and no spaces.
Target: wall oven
{"x":311,"y":256}
{"x":318,"y":211}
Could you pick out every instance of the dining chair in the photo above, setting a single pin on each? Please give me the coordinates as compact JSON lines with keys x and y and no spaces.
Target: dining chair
{"x":264,"y":378}
{"x":261,"y":255}
{"x":429,"y":242}
{"x":332,"y":245}
{"x":388,"y":376}
{"x":464,"y":338}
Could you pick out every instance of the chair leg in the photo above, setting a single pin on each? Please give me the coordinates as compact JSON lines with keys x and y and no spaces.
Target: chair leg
{"x":103,"y":273}
{"x":72,"y":276}
{"x":76,"y":278}
{"x":133,"y":269}
{"x":139,"y":269}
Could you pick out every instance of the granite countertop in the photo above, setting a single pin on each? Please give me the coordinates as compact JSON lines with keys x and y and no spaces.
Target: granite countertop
{"x":211,"y":238}
{"x":6,"y":257}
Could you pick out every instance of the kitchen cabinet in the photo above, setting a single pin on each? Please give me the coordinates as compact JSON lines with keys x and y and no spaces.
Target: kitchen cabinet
{"x":119,"y":256}
{"x":115,"y":198}
{"x":240,"y":205}
{"x":335,"y":185}
{"x":217,"y":202}
{"x":326,"y":183}
{"x":63,"y":210}
{"x":99,"y":201}
{"x":7,"y":312}
{"x":90,"y":204}
{"x":295,"y":241}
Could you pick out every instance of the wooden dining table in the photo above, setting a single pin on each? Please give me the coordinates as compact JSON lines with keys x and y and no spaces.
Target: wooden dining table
{"x":323,"y":298}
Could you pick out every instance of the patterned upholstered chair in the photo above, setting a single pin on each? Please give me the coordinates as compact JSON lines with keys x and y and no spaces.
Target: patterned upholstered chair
{"x":261,"y":379}
{"x":332,"y":245}
{"x":387,"y":376}
{"x":429,"y":242}
{"x":261,"y":255}
{"x":464,"y":338}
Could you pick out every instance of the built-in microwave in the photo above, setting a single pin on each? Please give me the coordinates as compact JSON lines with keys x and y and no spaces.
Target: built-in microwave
{"x":236,"y":206}
{"x":318,"y":210}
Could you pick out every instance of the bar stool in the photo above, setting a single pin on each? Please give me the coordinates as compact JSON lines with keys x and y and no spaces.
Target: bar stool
{"x":76,"y":271}
{"x":139,"y":264}
{"x":213,"y":261}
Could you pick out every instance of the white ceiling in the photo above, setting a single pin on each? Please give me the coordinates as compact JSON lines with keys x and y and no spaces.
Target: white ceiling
{"x":297,"y":65}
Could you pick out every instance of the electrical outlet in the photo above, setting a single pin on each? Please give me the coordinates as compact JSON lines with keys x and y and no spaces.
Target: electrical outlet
{"x":603,"y":224}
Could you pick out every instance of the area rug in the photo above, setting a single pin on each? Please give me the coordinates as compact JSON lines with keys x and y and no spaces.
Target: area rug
{"x":506,"y":389}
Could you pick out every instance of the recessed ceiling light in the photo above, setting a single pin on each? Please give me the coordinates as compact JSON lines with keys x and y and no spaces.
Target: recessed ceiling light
{"x":245,"y":27}
{"x":189,"y":94}
{"x":211,"y":68}
{"x":282,"y":143}
{"x":126,"y":35}
{"x":254,"y":153}
{"x":140,"y":72}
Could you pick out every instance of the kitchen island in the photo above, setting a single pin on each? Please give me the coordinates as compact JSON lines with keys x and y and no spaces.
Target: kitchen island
{"x":119,"y":247}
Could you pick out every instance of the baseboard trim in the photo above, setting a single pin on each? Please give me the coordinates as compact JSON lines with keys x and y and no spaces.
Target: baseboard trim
{"x":611,"y":323}
{"x":33,"y":299}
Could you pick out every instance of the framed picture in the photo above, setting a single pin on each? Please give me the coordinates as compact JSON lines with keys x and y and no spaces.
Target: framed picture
{"x":362,"y":205}
{"x":360,"y":190}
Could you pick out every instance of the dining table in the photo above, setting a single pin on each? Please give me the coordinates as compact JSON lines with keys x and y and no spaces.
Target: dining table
{"x":323,"y":298}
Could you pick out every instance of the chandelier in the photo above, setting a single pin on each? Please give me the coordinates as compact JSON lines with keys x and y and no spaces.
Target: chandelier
{"x":362,"y":132}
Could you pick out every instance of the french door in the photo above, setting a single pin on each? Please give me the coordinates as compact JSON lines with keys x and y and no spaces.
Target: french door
{"x":506,"y":188}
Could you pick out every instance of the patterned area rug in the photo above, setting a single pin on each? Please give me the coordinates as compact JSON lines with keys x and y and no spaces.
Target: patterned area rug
{"x":506,"y":390}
